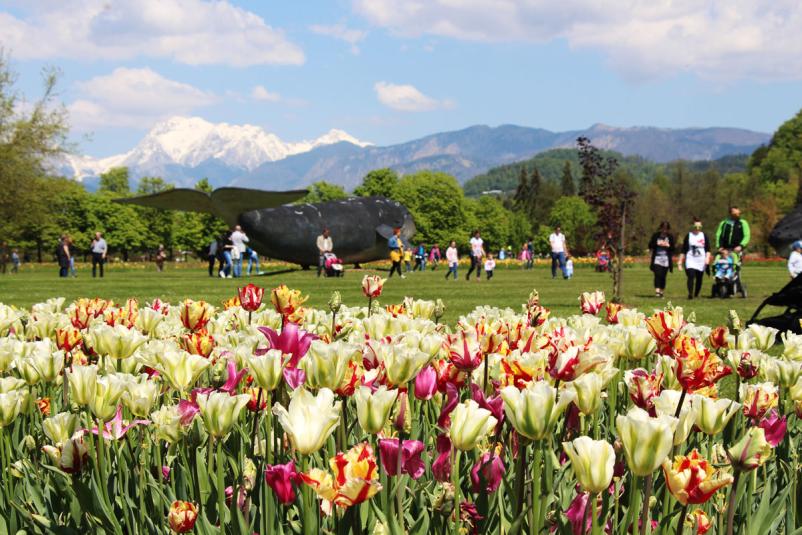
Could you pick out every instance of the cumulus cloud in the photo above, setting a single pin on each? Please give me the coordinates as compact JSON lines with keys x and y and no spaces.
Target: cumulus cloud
{"x":195,"y":32}
{"x":405,"y":97}
{"x":716,"y":39}
{"x":342,"y":32}
{"x":259,"y":92}
{"x":133,"y":98}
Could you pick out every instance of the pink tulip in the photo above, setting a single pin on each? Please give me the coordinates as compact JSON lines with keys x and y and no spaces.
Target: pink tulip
{"x":292,"y":341}
{"x":166,"y":473}
{"x":426,"y":383}
{"x":468,"y":357}
{"x":411,"y":463}
{"x":114,"y":428}
{"x":494,"y":404}
{"x":233,"y":377}
{"x":187,"y":409}
{"x":452,"y":400}
{"x":280,"y":478}
{"x":441,"y":467}
{"x":577,"y":516}
{"x":294,"y":377}
{"x":774,"y":427}
{"x":487,"y":473}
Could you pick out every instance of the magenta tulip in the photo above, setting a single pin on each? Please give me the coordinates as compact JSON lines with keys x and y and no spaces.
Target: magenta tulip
{"x":426,"y":383}
{"x":280,"y":478}
{"x":774,"y":428}
{"x":441,"y":467}
{"x":494,"y":404}
{"x":452,"y":400}
{"x":233,"y":377}
{"x":294,"y":377}
{"x":411,"y":463}
{"x":291,"y":341}
{"x":487,"y":473}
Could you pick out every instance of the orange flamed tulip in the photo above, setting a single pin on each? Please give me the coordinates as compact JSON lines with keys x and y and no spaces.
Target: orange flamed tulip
{"x":287,"y":302}
{"x":354,"y":477}
{"x":195,"y":314}
{"x":198,"y":343}
{"x":691,"y":479}
{"x":182,"y":516}
{"x":68,"y":339}
{"x":697,"y":366}
{"x":664,"y":326}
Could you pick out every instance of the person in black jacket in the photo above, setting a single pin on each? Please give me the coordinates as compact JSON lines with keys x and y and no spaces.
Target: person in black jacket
{"x":662,"y":248}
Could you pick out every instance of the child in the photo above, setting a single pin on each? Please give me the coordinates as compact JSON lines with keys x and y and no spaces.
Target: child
{"x":434,"y":256}
{"x":794,"y":260}
{"x":569,"y":268}
{"x":452,"y":257}
{"x":408,"y":259}
{"x":14,"y":261}
{"x":724,"y":265}
{"x":490,"y":265}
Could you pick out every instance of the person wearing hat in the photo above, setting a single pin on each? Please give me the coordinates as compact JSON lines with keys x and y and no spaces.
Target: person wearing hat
{"x":795,"y":259}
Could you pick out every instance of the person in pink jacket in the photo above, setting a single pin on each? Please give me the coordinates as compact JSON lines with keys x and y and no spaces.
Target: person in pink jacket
{"x":452,"y":257}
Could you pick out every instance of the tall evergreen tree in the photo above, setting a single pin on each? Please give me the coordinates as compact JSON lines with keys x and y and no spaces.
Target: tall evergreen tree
{"x":567,"y":186}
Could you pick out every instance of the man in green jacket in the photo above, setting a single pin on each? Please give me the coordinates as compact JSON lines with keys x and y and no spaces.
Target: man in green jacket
{"x":733,"y":232}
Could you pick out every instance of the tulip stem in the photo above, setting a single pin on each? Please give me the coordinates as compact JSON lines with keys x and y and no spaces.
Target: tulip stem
{"x":370,"y":305}
{"x":732,"y":502}
{"x":594,"y":525}
{"x":632,"y":516}
{"x":535,"y":513}
{"x":221,"y":491}
{"x":681,"y":521}
{"x":520,"y":475}
{"x":646,"y":525}
{"x":455,"y":482}
{"x":680,"y":402}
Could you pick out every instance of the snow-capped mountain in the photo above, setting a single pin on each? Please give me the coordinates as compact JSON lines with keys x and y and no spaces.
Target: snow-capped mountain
{"x":193,"y":143}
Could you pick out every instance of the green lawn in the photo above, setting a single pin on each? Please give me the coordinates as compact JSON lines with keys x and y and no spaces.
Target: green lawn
{"x":510,"y":287}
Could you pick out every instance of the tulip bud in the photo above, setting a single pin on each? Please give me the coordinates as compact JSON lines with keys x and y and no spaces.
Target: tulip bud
{"x":593,"y":462}
{"x":195,"y":314}
{"x":534,"y":410}
{"x":439,"y":310}
{"x":373,"y":408}
{"x":426,"y":383}
{"x":29,"y":443}
{"x":734,"y":322}
{"x":335,"y":302}
{"x":220,"y":411}
{"x":372,"y":286}
{"x":182,"y":516}
{"x":646,"y":440}
{"x":280,"y":478}
{"x":250,"y":297}
{"x":751,"y":452}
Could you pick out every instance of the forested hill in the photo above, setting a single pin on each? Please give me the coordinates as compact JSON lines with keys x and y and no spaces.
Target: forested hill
{"x":551,"y":165}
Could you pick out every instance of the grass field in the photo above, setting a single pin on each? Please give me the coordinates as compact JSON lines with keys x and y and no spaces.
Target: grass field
{"x":509,"y":288}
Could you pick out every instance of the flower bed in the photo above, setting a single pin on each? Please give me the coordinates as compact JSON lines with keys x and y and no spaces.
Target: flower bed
{"x":276,"y":418}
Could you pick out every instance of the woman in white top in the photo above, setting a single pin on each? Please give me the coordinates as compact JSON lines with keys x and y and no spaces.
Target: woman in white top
{"x":452,"y":257}
{"x":695,"y":257}
{"x":477,"y":253}
{"x":795,"y":259}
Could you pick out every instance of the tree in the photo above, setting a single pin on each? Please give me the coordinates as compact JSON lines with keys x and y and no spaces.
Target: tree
{"x":567,"y":180}
{"x":381,"y":182}
{"x":437,"y":204}
{"x":781,"y":161}
{"x":115,"y":181}
{"x":577,"y":221}
{"x":323,"y":191}
{"x":151,"y":184}
{"x":488,"y":214}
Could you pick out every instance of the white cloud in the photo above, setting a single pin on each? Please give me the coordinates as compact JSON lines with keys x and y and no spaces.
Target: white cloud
{"x":716,"y":39}
{"x":405,"y":97}
{"x":259,"y":92}
{"x":342,"y":32}
{"x":194,"y":32}
{"x":133,"y":98}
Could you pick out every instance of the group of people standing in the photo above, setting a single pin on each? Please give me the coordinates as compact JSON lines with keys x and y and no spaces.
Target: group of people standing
{"x":228,"y":251}
{"x":696,"y":253}
{"x":66,"y":253}
{"x":6,"y":257}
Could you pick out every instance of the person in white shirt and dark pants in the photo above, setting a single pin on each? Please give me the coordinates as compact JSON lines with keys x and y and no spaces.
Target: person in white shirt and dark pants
{"x":99,"y":250}
{"x":559,"y":250}
{"x":239,"y":239}
{"x":324,"y":245}
{"x":795,"y":259}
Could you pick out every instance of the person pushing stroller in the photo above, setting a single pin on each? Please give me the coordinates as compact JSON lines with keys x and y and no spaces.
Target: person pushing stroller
{"x":733,"y":235}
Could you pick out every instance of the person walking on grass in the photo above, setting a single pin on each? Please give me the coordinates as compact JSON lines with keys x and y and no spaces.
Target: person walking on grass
{"x":161,"y":256}
{"x":452,"y":257}
{"x":239,"y":239}
{"x":14,"y":261}
{"x":253,"y":260}
{"x":63,"y":257}
{"x":71,"y":248}
{"x":530,"y":254}
{"x":695,"y":257}
{"x":211,"y":256}
{"x":435,"y":256}
{"x":477,"y":253}
{"x":396,"y":246}
{"x":99,"y":250}
{"x":325,"y":245}
{"x":408,"y":260}
{"x":559,"y":250}
{"x":661,"y":246}
{"x":490,"y":265}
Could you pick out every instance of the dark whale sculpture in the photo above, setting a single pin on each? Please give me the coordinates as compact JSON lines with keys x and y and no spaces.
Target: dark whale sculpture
{"x":787,"y":231}
{"x":359,"y":226}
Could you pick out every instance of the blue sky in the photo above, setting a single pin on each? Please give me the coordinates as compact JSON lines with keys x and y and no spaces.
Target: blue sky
{"x":388,"y":71}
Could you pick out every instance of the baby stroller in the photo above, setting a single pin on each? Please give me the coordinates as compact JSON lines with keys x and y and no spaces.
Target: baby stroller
{"x":602,"y":260}
{"x":727,"y":276}
{"x":333,"y":265}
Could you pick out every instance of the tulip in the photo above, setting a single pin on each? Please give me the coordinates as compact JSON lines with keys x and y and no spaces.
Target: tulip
{"x":774,"y":428}
{"x":643,"y":386}
{"x":612,"y":310}
{"x":591,"y":302}
{"x":181,"y":369}
{"x":752,"y":451}
{"x":534,"y":410}
{"x":71,"y":456}
{"x":108,"y":391}
{"x":43,"y":404}
{"x":373,"y":408}
{"x":697,"y":367}
{"x":746,"y":363}
{"x":10,"y":406}
{"x":167,"y":424}
{"x":325,"y":365}
{"x":411,"y":463}
{"x":294,"y":377}
{"x":719,"y":337}
{"x":638,"y":343}
{"x":713,"y":415}
{"x":693,"y":480}
{"x":402,"y":363}
{"x":118,"y":342}
{"x":469,"y":425}
{"x":487,"y":473}
{"x":288,"y":302}
{"x":310,"y":419}
{"x":68,"y":338}
{"x":115,"y":429}
{"x":426,"y":383}
{"x":250,"y":297}
{"x":61,"y":427}
{"x":82,"y":381}
{"x":588,"y":389}
{"x":668,"y":402}
{"x":758,"y":399}
{"x":280,"y":478}
{"x":42,"y":365}
{"x":291,"y":341}
{"x":441,"y":467}
{"x":195,"y":314}
{"x":149,"y":320}
{"x":197,"y":342}
{"x":782,"y":372}
{"x":578,"y":515}
{"x":465,"y":352}
{"x":764,"y":337}
{"x":664,"y":327}
{"x":353,"y":479}
{"x":140,"y":397}
{"x":233,"y":377}
{"x":647,"y":441}
{"x":182,"y":516}
{"x":372,"y":286}
{"x":9,"y":349}
{"x":492,"y":403}
{"x":266,"y":369}
{"x":795,"y":393}
{"x":593,"y":462}
{"x":7,"y":384}
{"x":698,"y":521}
{"x":220,"y":411}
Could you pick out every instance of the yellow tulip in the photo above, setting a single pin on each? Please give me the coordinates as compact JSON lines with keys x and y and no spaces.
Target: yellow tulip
{"x":108,"y":391}
{"x":10,"y":406}
{"x":167,"y":423}
{"x":181,"y":369}
{"x":140,"y":396}
{"x":325,"y":364}
{"x":714,"y":414}
{"x":266,"y":369}
{"x":61,"y":427}
{"x":402,"y":363}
